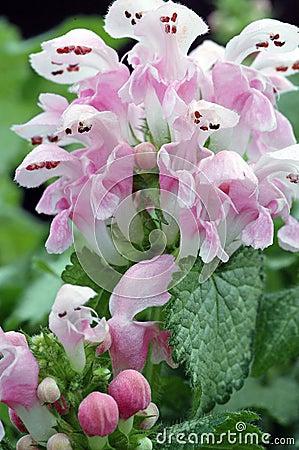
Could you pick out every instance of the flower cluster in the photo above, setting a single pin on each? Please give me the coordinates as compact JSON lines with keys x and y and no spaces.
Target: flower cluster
{"x":176,"y":154}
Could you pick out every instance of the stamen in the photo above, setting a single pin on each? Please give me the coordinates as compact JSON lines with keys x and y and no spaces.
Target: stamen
{"x":133,"y":22}
{"x":62,"y":314}
{"x":174,"y":29}
{"x":36,"y":140}
{"x":204,"y":128}
{"x":262,"y":45}
{"x":174,"y":17}
{"x":274,"y":37}
{"x":138,"y":15}
{"x":214,"y":126}
{"x":84,"y":128}
{"x":293,"y":178}
{"x":67,"y":49}
{"x":295,"y":66}
{"x":82,"y":50}
{"x":165,"y":19}
{"x":57,"y":72}
{"x":279,"y":43}
{"x":282,"y":68}
{"x":68,"y":131}
{"x":73,"y":68}
{"x":53,"y":138}
{"x":47,"y":164}
{"x":128,"y":14}
{"x":197,"y":114}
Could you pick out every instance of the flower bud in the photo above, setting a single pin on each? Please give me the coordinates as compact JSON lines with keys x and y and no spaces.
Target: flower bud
{"x":145,"y":156}
{"x":59,"y":441}
{"x":98,"y":414}
{"x":16,"y":421}
{"x":131,"y":392}
{"x":151,"y":414}
{"x":26,"y":443}
{"x":145,"y":444}
{"x":48,"y":391}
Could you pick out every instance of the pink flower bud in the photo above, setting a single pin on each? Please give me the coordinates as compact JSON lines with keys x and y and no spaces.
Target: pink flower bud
{"x":26,"y":443}
{"x":145,"y":156}
{"x":16,"y":421}
{"x":48,"y":391}
{"x":151,"y":414}
{"x":98,"y":414}
{"x":59,"y":441}
{"x":131,"y":392}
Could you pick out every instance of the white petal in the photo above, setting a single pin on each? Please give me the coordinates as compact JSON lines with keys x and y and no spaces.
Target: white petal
{"x":268,"y":35}
{"x":74,"y":56}
{"x":123,"y":15}
{"x":207,"y":54}
{"x":210,"y":117}
{"x":280,"y":161}
{"x":279,"y":64}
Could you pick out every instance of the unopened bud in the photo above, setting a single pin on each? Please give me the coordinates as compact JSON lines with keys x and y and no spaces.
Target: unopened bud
{"x":48,"y":391}
{"x":131,"y":392}
{"x":26,"y":443}
{"x":98,"y":414}
{"x":145,"y":156}
{"x":151,"y":414}
{"x":59,"y":441}
{"x":145,"y":444}
{"x":17,"y":421}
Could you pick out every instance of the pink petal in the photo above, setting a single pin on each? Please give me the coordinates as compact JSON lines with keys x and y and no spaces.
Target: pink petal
{"x":143,"y":285}
{"x":61,"y":236}
{"x":43,"y":163}
{"x":288,"y":235}
{"x":18,"y":373}
{"x":259,"y":233}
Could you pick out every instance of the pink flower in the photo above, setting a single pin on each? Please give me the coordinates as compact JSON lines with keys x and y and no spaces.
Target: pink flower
{"x":144,"y":285}
{"x":131,"y":391}
{"x":98,"y":414}
{"x":71,"y":321}
{"x":18,"y":385}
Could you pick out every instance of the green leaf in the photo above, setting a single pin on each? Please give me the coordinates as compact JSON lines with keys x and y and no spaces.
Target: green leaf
{"x":213,"y":432}
{"x":212,"y":326}
{"x":277,"y":335}
{"x":279,"y":397}
{"x":75,"y":274}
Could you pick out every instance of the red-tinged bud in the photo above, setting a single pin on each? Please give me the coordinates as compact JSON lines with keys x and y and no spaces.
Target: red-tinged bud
{"x":26,"y":443}
{"x":61,"y":406}
{"x":98,"y":414}
{"x":145,"y":156}
{"x":131,"y":392}
{"x":48,"y":391}
{"x":59,"y":441}
{"x":16,"y":421}
{"x":151,"y":414}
